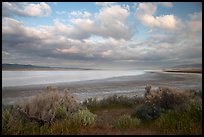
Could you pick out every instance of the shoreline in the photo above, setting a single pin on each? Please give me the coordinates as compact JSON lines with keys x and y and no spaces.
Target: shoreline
{"x":46,"y":69}
{"x":174,"y":72}
{"x":183,"y":70}
{"x":123,"y":85}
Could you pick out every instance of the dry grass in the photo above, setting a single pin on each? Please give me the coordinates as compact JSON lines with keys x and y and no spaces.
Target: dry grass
{"x":45,"y":105}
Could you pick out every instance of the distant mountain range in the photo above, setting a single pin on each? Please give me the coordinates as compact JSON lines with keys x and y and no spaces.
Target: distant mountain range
{"x":19,"y":66}
{"x":23,"y":66}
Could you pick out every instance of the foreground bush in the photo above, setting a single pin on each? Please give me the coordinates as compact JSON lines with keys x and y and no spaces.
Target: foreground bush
{"x":49,"y":112}
{"x":49,"y":105}
{"x":84,"y":118}
{"x":61,"y":112}
{"x":181,"y":115}
{"x":125,"y":122}
{"x":162,"y":100}
{"x":146,"y":113}
{"x":73,"y":124}
{"x":184,"y":120}
{"x":113,"y":102}
{"x":6,"y":120}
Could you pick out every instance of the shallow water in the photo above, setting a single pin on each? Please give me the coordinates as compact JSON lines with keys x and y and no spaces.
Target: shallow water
{"x":128,"y":86}
{"x":21,"y":78}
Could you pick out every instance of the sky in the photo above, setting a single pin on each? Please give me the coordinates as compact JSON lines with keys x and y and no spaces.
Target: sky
{"x":127,"y":35}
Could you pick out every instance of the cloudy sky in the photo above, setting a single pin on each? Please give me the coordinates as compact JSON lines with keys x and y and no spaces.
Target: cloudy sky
{"x":102,"y":35}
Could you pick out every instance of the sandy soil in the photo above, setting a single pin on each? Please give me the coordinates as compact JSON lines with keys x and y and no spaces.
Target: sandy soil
{"x":125,"y":85}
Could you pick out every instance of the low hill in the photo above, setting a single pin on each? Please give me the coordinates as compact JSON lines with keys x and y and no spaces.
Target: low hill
{"x":6,"y":67}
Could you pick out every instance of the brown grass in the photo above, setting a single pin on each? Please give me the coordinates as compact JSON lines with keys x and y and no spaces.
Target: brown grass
{"x":111,"y":131}
{"x":43,"y":106}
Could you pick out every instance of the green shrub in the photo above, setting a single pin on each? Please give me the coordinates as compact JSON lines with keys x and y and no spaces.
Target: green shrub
{"x":146,"y":113}
{"x":91,"y":103}
{"x":184,"y":120}
{"x":6,"y":119}
{"x":84,"y":118}
{"x":60,"y":113}
{"x":33,"y":116}
{"x":113,"y":102}
{"x":125,"y":122}
{"x":44,"y":130}
{"x":160,"y":102}
{"x":199,"y":93}
{"x":61,"y":127}
{"x":169,"y":100}
{"x":30,"y":129}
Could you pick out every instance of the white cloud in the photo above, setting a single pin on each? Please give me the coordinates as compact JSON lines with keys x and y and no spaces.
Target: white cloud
{"x":104,"y":3}
{"x":111,"y":21}
{"x":80,"y":14}
{"x":10,"y":26}
{"x":167,"y":4}
{"x":83,"y":27}
{"x":26,"y":9}
{"x":71,"y":50}
{"x":41,"y":9}
{"x":147,"y":8}
{"x":60,"y":27}
{"x":195,"y":23}
{"x":145,"y":13}
{"x":115,"y":12}
{"x":14,"y":27}
{"x":167,"y":22}
{"x":107,"y":53}
{"x":105,"y":35}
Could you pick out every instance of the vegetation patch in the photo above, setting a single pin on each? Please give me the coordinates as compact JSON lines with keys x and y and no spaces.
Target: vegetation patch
{"x":159,"y":102}
{"x":185,"y":120}
{"x":125,"y":122}
{"x":113,"y":102}
{"x":165,"y":111}
{"x":84,"y":118}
